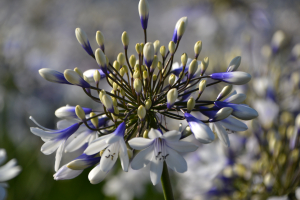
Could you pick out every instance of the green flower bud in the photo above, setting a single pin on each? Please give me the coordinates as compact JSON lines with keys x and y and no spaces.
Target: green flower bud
{"x":191,"y":104}
{"x":125,"y":68}
{"x":97,"y":76}
{"x":145,"y":74}
{"x":148,"y":104}
{"x":78,"y":71}
{"x":99,"y":38}
{"x":156,"y":45}
{"x":136,"y":74}
{"x":162,"y":51}
{"x":198,"y":48}
{"x":121,"y":59}
{"x":125,"y":39}
{"x":116,"y":111}
{"x":115,"y":86}
{"x":101,"y":94}
{"x":137,"y":85}
{"x":138,"y":48}
{"x":122,"y":92}
{"x":204,"y":65}
{"x":193,"y":68}
{"x":159,"y":65}
{"x":132,"y":60}
{"x":80,"y":113}
{"x":94,"y":120}
{"x":184,"y":59}
{"x":223,"y":113}
{"x":171,"y":79}
{"x":100,"y":57}
{"x":141,"y":112}
{"x":145,"y":134}
{"x":171,"y":47}
{"x":154,"y":62}
{"x":122,"y":72}
{"x":154,"y":77}
{"x":116,"y":65}
{"x":225,"y":91}
{"x":202,"y":86}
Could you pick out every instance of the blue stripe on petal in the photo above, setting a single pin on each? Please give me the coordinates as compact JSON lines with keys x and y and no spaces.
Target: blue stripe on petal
{"x":120,"y":130}
{"x":67,"y":132}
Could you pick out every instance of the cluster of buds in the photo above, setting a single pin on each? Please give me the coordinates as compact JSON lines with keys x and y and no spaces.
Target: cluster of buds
{"x":148,"y":88}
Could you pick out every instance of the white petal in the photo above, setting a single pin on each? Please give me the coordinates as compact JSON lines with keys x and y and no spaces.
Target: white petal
{"x":2,"y":193}
{"x":172,"y":135}
{"x":93,"y":136}
{"x":96,"y":146}
{"x":9,"y":170}
{"x":142,"y":158}
{"x":175,"y":161}
{"x":156,"y":168}
{"x":50,"y":146}
{"x":237,"y":98}
{"x":41,"y":133}
{"x":2,"y":155}
{"x":222,"y":134}
{"x":140,"y":143}
{"x":78,"y":142}
{"x":96,"y":175}
{"x":202,"y":132}
{"x":123,"y":146}
{"x":233,"y":124}
{"x":124,"y":160}
{"x":109,"y":157}
{"x":58,"y":155}
{"x":112,"y":139}
{"x":65,"y":123}
{"x":182,"y":146}
{"x":154,"y":133}
{"x":64,"y":173}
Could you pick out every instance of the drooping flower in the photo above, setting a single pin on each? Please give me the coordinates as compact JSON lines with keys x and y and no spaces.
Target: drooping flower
{"x":159,"y":148}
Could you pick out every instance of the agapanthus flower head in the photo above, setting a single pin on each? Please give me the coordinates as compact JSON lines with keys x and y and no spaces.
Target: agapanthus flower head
{"x":147,"y":90}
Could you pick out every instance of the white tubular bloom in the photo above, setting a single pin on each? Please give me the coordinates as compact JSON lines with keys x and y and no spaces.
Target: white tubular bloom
{"x":144,"y":13}
{"x":236,"y":78}
{"x":81,"y":36}
{"x":180,"y":27}
{"x":234,"y":64}
{"x":171,"y":97}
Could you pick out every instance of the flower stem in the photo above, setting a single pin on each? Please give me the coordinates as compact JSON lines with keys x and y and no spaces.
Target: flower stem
{"x":166,"y":183}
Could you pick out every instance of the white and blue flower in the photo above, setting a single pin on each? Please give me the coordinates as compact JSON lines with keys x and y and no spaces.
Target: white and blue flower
{"x":236,"y":77}
{"x":53,"y":76}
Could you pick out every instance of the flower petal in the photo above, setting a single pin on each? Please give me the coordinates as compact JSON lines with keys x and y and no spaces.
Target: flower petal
{"x":142,"y":158}
{"x":175,"y":161}
{"x":156,"y":168}
{"x":222,"y":134}
{"x":58,"y":155}
{"x":182,"y":146}
{"x":124,"y":160}
{"x":78,"y":142}
{"x":109,"y":157}
{"x":50,"y":146}
{"x":9,"y":170}
{"x":140,"y":143}
{"x":96,"y":175}
{"x":233,"y":124}
{"x":64,"y":173}
{"x":154,"y":133}
{"x":2,"y":155}
{"x":96,"y":146}
{"x":172,"y":135}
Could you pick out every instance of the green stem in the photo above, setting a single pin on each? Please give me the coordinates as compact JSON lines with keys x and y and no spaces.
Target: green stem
{"x":166,"y":183}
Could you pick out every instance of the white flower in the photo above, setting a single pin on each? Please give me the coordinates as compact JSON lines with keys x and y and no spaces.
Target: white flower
{"x":7,"y":172}
{"x":114,"y":145}
{"x":160,"y":148}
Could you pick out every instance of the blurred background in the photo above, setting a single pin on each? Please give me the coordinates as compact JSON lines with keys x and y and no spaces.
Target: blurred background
{"x":37,"y":34}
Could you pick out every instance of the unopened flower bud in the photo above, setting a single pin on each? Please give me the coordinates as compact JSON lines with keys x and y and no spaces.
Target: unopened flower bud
{"x":142,"y":46}
{"x":107,"y":102}
{"x":179,"y":29}
{"x":121,"y":59}
{"x":148,"y":53}
{"x":122,"y":92}
{"x":145,"y":74}
{"x":74,"y":78}
{"x":137,"y":85}
{"x":296,"y":51}
{"x":83,"y":40}
{"x":191,"y":104}
{"x":80,"y":112}
{"x":101,"y":59}
{"x":269,"y":180}
{"x":116,"y":65}
{"x":154,"y":63}
{"x":192,"y":68}
{"x":162,"y":51}
{"x":136,"y":74}
{"x":225,"y":91}
{"x":171,"y":47}
{"x":102,"y":92}
{"x":94,"y":119}
{"x":132,"y":60}
{"x":144,"y":13}
{"x":202,"y":86}
{"x":125,"y":68}
{"x":154,"y":77}
{"x":184,"y":59}
{"x":156,"y":45}
{"x":141,"y":112}
{"x":204,"y":65}
{"x":125,"y":39}
{"x":115,"y":86}
{"x":78,"y":71}
{"x":100,"y":39}
{"x":116,"y":111}
{"x":145,"y":134}
{"x":159,"y":65}
{"x":97,"y":76}
{"x":222,"y":114}
{"x":171,"y":79}
{"x":198,"y":48}
{"x":278,"y":40}
{"x":234,"y":64}
{"x":122,"y":72}
{"x":138,"y":48}
{"x":171,"y":97}
{"x":148,"y":104}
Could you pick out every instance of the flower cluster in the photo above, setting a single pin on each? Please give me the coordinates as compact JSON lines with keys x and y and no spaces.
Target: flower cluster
{"x":147,"y":90}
